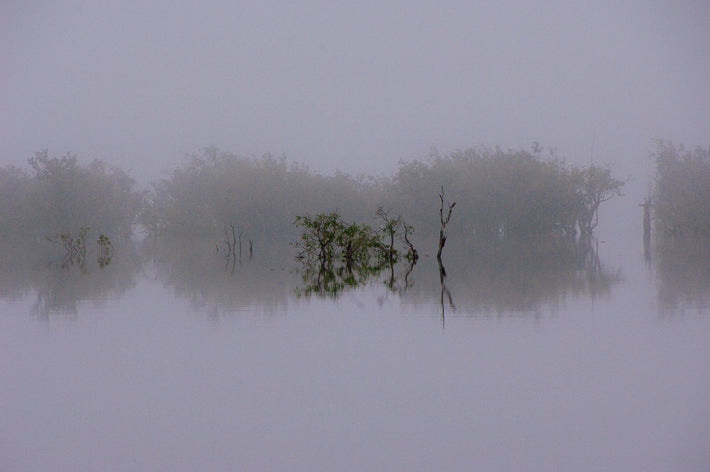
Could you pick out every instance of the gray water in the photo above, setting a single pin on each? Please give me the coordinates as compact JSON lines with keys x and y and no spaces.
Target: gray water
{"x":189,"y":363}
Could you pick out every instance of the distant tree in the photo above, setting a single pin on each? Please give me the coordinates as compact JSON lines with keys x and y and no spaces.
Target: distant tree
{"x":594,"y":186}
{"x":261,"y":196}
{"x":681,"y":194}
{"x":14,"y":201}
{"x":513,"y":193}
{"x":59,"y":196}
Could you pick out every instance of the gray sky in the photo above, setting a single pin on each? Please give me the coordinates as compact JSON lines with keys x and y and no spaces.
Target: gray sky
{"x":351,"y":85}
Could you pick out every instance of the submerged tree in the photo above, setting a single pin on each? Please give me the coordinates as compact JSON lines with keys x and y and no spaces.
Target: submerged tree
{"x":319,"y":236}
{"x":391,"y":227}
{"x":337,"y":254}
{"x":444,"y":222}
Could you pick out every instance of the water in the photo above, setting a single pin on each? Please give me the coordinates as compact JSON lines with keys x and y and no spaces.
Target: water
{"x":181,"y":362}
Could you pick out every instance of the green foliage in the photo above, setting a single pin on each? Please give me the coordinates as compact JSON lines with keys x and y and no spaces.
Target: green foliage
{"x":681,"y":195}
{"x":75,"y":248}
{"x":105,"y":250}
{"x":331,"y":281}
{"x":327,"y":238}
{"x":337,"y":254}
{"x":319,"y":236}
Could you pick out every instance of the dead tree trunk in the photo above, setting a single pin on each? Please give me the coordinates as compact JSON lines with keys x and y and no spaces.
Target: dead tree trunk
{"x":412,"y":254}
{"x":444,"y":222}
{"x":442,"y":241}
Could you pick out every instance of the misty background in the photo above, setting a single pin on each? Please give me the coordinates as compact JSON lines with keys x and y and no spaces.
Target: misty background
{"x":355,"y":86}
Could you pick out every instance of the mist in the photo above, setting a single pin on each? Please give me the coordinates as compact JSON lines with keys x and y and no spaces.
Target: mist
{"x":356,"y":87}
{"x":222,"y":228}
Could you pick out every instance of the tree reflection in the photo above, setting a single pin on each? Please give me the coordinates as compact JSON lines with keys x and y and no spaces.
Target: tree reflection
{"x":218,"y":285}
{"x":329,"y":280}
{"x":59,"y":285}
{"x":444,"y":291}
{"x":515,"y":276}
{"x":683,"y":269}
{"x":490,"y":277}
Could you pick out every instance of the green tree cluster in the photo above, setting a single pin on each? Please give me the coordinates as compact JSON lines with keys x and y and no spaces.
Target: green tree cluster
{"x":338,"y":254}
{"x":681,"y":193}
{"x":326,"y":238}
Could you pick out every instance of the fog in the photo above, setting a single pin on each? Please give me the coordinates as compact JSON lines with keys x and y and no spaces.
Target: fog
{"x":355,"y":86}
{"x":183,"y":348}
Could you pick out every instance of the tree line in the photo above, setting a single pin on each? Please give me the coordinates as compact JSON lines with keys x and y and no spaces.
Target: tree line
{"x":500,"y":194}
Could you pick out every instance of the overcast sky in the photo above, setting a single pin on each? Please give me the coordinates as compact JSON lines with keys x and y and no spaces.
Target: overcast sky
{"x":351,"y":85}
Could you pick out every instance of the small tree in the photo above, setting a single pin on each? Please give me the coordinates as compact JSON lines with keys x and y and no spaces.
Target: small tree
{"x":391,"y":226}
{"x":356,"y":243}
{"x":319,"y":236}
{"x":594,"y":185}
{"x":412,"y":254}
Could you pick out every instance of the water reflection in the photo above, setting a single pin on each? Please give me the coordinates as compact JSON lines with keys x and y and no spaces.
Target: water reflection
{"x":330,"y":280}
{"x":683,"y":274}
{"x":487,"y":276}
{"x":445,"y":292}
{"x":515,"y":276}
{"x":500,"y":277}
{"x":41,"y":269}
{"x":218,"y":282}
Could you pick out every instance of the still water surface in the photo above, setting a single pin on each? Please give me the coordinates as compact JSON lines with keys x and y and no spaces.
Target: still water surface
{"x":183,"y":363}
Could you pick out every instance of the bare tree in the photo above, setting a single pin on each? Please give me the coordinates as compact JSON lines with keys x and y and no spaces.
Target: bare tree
{"x":442,"y":242}
{"x":444,"y":222}
{"x":391,"y":225}
{"x":412,"y":254}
